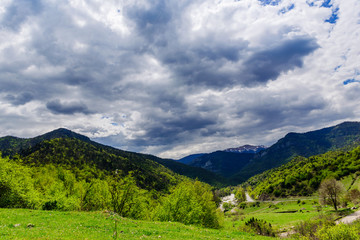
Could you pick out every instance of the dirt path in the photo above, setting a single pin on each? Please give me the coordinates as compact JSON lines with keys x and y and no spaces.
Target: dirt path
{"x":248,"y":198}
{"x":350,"y":218}
{"x":228,"y":199}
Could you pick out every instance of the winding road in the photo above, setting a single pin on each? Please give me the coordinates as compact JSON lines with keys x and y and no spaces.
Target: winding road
{"x":350,"y":218}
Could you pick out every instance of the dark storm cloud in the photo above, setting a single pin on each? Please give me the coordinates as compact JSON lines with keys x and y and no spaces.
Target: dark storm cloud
{"x":201,"y":64}
{"x":67,"y":108}
{"x":151,"y":20}
{"x":267,"y":65}
{"x":201,"y":61}
{"x":175,"y":129}
{"x":20,"y":99}
{"x":19,"y":11}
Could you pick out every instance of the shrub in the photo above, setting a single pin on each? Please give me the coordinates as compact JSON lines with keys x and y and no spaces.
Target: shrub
{"x":338,"y":232}
{"x":309,"y":228}
{"x":227,"y":206}
{"x":242,"y":205}
{"x":50,"y":205}
{"x":260,"y":226}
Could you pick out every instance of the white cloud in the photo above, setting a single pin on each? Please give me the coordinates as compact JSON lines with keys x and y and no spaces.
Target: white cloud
{"x":190,"y":76}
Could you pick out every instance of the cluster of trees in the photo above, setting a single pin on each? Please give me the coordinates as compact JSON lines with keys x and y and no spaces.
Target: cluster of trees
{"x":303,"y":176}
{"x":56,"y":187}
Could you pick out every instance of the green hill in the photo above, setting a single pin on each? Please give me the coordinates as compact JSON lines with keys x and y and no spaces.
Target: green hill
{"x":68,"y":148}
{"x":302,"y":176}
{"x":345,"y":135}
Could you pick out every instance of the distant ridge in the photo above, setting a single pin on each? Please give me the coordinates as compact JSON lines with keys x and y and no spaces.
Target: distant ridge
{"x":188,"y":159}
{"x":344,"y":135}
{"x":239,"y":164}
{"x":246,"y":149}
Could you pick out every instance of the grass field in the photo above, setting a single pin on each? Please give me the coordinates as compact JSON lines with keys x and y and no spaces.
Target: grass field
{"x":97,"y":225}
{"x":282,"y":214}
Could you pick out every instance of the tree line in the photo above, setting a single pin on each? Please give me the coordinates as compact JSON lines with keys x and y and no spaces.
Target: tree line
{"x":59,"y":187}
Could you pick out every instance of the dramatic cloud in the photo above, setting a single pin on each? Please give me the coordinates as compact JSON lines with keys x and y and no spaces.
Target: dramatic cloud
{"x":269,"y":64}
{"x":70,"y":108}
{"x":178,"y":77}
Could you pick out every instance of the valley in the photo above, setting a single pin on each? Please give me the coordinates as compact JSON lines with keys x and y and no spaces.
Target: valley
{"x":67,"y":175}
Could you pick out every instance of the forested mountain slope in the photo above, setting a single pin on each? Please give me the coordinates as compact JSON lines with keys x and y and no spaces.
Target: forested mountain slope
{"x":302,"y":176}
{"x":345,"y":135}
{"x":223,"y":163}
{"x":65,"y":147}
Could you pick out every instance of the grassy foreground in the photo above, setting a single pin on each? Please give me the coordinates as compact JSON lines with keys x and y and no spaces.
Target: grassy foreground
{"x":282,"y":214}
{"x":38,"y":224}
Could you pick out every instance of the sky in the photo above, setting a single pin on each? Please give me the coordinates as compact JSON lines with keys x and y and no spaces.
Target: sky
{"x":173,"y":78}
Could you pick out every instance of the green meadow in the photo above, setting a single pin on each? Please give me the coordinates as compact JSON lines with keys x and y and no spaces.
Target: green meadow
{"x":282,"y":214}
{"x":39,"y":224}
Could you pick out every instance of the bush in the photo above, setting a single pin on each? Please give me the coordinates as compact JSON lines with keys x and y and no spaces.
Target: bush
{"x":242,"y":205}
{"x":309,"y":228}
{"x":50,"y":205}
{"x":260,"y":226}
{"x":338,"y":232}
{"x":227,"y":206}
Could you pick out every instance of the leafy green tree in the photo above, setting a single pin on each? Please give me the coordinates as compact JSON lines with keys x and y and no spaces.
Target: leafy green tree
{"x":190,"y":203}
{"x":94,"y":195}
{"x":240,"y":195}
{"x":353,"y":195}
{"x":127,"y":199}
{"x":17,"y":186}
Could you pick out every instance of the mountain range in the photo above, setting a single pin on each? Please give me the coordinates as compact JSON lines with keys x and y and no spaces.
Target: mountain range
{"x":220,"y":168}
{"x":238,"y":166}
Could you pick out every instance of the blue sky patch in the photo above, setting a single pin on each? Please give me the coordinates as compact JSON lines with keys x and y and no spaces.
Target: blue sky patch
{"x":270,"y":2}
{"x":334,"y":16}
{"x":287,"y":9}
{"x":327,"y":4}
{"x":337,"y":67}
{"x":348,"y":81}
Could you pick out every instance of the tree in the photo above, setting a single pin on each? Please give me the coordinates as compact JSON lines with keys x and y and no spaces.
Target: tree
{"x":240,"y":195}
{"x":189,"y":203}
{"x":353,"y":195}
{"x":330,"y":192}
{"x":127,"y":199}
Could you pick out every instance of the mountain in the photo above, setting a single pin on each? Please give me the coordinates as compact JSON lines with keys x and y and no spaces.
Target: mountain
{"x":246,"y":149}
{"x":222,"y":163}
{"x":344,"y":135}
{"x":188,"y":159}
{"x":10,"y":145}
{"x":302,"y":176}
{"x":64,"y":147}
{"x":239,"y":164}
